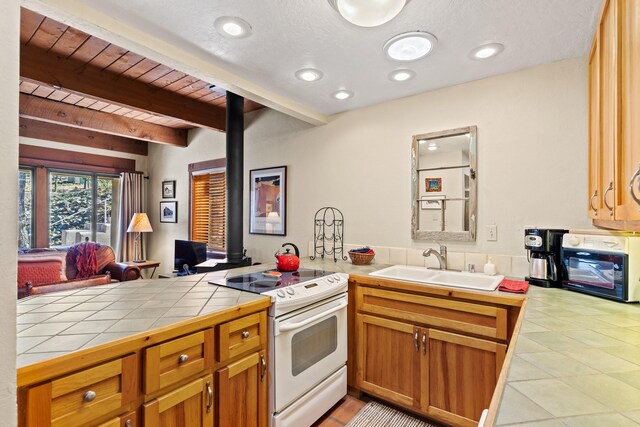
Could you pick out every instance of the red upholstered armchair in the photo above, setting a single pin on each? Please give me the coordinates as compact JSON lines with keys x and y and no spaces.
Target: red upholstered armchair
{"x":48,"y":270}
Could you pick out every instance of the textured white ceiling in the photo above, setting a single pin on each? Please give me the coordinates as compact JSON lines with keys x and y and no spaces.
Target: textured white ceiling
{"x":292,"y":34}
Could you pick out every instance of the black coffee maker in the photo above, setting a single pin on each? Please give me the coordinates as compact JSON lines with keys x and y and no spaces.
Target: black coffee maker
{"x":544,"y":248}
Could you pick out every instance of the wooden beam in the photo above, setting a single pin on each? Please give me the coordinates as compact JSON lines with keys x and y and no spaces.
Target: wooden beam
{"x":32,"y":155}
{"x":42,"y":109}
{"x":77,"y":77}
{"x":86,"y":138}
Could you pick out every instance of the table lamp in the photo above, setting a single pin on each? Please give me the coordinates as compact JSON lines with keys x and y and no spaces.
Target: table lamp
{"x":139,"y":224}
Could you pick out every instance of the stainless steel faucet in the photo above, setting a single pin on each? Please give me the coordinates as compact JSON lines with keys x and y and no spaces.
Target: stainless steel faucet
{"x":441,"y":256}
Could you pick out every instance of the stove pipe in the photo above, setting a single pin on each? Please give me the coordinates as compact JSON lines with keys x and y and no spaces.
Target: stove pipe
{"x":235,"y":173}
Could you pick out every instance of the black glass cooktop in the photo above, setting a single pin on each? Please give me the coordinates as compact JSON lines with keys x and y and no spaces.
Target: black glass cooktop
{"x":262,"y":281}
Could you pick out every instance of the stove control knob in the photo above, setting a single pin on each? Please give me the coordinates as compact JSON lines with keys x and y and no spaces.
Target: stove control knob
{"x":291,"y":291}
{"x":280,"y":293}
{"x":330,"y":279}
{"x":336,"y":277}
{"x":575,"y":241}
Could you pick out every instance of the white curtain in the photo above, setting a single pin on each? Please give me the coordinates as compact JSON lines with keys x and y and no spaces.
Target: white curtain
{"x":132,"y":201}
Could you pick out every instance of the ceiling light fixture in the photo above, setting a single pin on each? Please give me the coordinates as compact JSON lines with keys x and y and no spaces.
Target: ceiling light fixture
{"x":233,"y":27}
{"x":410,"y":46}
{"x":402,"y":75}
{"x":309,"y":74}
{"x":368,"y":13}
{"x":487,"y":50}
{"x":342,"y":95}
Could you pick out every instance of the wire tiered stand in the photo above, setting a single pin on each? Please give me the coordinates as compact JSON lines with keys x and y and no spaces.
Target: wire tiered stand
{"x":328,"y":230}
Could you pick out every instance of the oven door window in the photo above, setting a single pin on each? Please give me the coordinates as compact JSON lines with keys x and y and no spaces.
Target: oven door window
{"x":312,"y":344}
{"x":600,"y":273}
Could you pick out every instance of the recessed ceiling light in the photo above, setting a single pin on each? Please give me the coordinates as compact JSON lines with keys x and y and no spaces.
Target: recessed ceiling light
{"x":487,"y":51}
{"x":309,"y":74}
{"x":342,"y":95}
{"x":402,"y":75}
{"x":410,"y":46}
{"x":232,"y":26}
{"x":368,"y":13}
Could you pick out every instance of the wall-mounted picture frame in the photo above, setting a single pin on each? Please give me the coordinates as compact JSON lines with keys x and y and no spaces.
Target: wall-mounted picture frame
{"x":432,"y":202}
{"x":432,"y":184}
{"x":169,"y":211}
{"x":168,"y":189}
{"x":268,"y":203}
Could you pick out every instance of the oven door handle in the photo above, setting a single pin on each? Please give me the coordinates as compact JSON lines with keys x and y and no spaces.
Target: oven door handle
{"x":285,"y":327}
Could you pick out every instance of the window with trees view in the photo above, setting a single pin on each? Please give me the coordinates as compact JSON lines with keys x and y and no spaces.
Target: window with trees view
{"x":25,"y":208}
{"x":83,"y":207}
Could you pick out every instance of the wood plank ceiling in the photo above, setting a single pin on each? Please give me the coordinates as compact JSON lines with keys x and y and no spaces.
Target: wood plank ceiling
{"x":99,"y":91}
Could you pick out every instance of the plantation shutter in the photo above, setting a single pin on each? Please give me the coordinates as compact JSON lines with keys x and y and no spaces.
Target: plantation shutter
{"x":208,"y":209}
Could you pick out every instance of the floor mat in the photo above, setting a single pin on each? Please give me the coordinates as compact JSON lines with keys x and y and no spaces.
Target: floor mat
{"x":375,"y":414}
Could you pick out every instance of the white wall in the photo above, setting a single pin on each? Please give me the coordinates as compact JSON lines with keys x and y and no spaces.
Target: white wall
{"x":532,"y":157}
{"x":9,"y":22}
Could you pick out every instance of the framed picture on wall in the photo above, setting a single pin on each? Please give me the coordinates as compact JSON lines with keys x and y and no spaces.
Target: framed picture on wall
{"x":169,"y":211}
{"x":168,"y":189}
{"x":432,"y":184}
{"x":268,"y":204}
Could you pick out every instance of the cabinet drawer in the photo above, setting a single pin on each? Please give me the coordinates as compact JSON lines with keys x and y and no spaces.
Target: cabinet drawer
{"x":477,"y":319}
{"x":242,"y":335}
{"x":172,"y":361}
{"x":84,"y":396}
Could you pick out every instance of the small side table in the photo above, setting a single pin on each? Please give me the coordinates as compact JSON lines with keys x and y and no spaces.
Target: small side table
{"x":146,"y":265}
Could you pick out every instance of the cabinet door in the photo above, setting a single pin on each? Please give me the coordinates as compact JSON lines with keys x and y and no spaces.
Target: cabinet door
{"x":609,"y":111}
{"x":462,"y":375}
{"x":389,"y":360}
{"x":242,"y":393}
{"x":628,"y":151}
{"x":595,"y":192}
{"x":188,"y":406}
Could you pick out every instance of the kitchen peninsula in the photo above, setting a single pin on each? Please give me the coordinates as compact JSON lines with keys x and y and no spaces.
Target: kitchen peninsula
{"x":575,"y":359}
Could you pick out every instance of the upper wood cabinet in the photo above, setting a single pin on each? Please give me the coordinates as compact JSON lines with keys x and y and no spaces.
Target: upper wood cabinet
{"x":614,"y":108}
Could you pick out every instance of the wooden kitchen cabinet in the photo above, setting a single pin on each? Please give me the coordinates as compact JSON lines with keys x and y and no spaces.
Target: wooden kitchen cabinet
{"x":188,"y":406}
{"x":462,"y":375}
{"x":628,"y":154}
{"x":242,"y":393}
{"x":614,"y":108}
{"x":433,"y":351}
{"x":390,"y":363}
{"x":84,"y":397}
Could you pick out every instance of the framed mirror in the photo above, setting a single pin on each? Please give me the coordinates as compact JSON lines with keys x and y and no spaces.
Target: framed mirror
{"x":444,"y":185}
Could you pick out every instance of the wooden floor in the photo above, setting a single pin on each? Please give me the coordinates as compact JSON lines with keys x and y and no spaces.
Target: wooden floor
{"x":341,"y":413}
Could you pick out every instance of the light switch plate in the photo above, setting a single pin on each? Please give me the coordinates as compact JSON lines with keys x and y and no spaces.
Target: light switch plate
{"x":492,"y":233}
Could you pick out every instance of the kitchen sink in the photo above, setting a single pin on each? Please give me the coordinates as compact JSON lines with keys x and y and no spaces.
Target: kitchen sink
{"x":456,"y":279}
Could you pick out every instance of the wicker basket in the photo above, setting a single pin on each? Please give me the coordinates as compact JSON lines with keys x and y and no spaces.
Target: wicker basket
{"x":361,"y":259}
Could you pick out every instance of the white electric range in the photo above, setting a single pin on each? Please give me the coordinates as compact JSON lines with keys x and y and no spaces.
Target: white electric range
{"x":307,"y":341}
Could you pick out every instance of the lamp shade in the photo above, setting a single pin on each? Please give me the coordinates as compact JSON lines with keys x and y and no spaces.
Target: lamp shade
{"x":139,"y":224}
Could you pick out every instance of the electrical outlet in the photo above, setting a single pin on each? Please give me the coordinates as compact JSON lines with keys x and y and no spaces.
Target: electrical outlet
{"x":492,"y":233}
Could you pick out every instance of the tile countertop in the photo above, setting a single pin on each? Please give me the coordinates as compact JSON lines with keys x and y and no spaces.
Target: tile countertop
{"x":59,"y":323}
{"x":576,"y":362}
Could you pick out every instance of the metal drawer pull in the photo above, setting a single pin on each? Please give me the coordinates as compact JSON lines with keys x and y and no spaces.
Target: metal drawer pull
{"x":264,"y":368}
{"x":633,"y":178}
{"x":416,"y":341}
{"x":604,"y":198}
{"x":183,"y":358}
{"x":89,"y":396}
{"x":595,"y":194}
{"x":210,"y":396}
{"x":424,"y":342}
{"x":127,"y":423}
{"x":245,"y":334}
